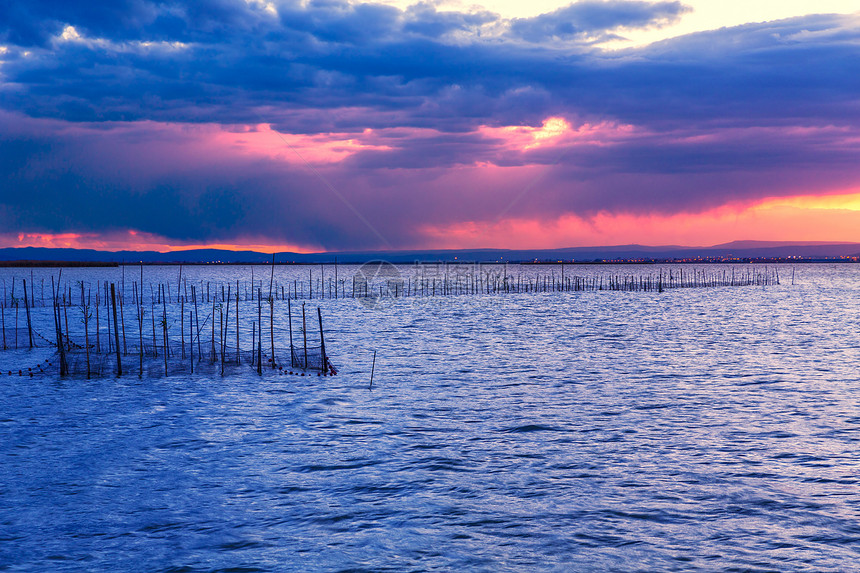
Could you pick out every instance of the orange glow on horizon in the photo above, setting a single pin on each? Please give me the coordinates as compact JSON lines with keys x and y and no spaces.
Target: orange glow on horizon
{"x":804,"y":218}
{"x":846,"y":202}
{"x":800,"y":218}
{"x":133,"y":240}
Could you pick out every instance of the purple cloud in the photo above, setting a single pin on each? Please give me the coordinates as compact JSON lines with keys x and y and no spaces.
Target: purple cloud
{"x":597,"y":19}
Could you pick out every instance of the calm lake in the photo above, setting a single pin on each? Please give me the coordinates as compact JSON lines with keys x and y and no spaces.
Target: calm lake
{"x":696,"y":429}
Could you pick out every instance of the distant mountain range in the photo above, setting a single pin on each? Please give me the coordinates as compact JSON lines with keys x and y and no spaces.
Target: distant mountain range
{"x":736,"y":249}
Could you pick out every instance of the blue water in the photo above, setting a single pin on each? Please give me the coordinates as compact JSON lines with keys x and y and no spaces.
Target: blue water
{"x":690,"y":430}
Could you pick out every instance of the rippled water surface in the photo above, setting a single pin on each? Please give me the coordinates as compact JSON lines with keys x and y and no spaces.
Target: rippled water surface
{"x":694,"y":429}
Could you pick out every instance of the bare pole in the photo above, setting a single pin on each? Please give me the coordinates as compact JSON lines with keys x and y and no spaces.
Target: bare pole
{"x":272,"y":277}
{"x":272,"y":311}
{"x":86,"y":329}
{"x":164,"y":294}
{"x":238,"y":360}
{"x":272,"y":327}
{"x":191,"y":340}
{"x":107,"y":309}
{"x":197,"y":320}
{"x":322,"y":343}
{"x":115,"y":331}
{"x":224,"y":328}
{"x":305,"y":331}
{"x":122,"y":321}
{"x":139,"y":327}
{"x":290,"y":315}
{"x":27,"y":306}
{"x":17,"y":306}
{"x":66,"y":317}
{"x":260,"y":331}
{"x":98,"y":322}
{"x":64,"y":367}
{"x":213,"y":331}
{"x":152,"y":312}
{"x":182,"y":320}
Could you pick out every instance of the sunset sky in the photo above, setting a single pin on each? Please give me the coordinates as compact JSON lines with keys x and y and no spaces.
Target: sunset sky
{"x":336,"y":126}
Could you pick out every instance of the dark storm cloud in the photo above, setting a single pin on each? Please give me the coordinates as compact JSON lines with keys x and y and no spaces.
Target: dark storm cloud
{"x":250,"y":67}
{"x":164,"y":182}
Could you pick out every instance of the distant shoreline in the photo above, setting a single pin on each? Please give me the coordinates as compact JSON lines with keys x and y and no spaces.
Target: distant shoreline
{"x":51,"y":264}
{"x":715,"y":261}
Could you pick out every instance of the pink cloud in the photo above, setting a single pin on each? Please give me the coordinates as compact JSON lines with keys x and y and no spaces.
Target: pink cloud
{"x":264,"y":141}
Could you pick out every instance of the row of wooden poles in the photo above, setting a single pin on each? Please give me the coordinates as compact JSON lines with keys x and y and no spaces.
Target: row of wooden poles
{"x":456,"y":280}
{"x":116,"y":328}
{"x":504,"y":283}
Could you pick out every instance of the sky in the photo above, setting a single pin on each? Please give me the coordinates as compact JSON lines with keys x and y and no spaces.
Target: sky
{"x":329,"y":125}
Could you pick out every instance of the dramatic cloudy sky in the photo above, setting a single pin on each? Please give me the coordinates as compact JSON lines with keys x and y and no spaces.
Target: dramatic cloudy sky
{"x":336,"y":125}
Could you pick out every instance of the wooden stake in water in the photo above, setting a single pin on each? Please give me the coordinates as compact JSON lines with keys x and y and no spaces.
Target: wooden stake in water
{"x":191,"y":339}
{"x":225,"y":327}
{"x":66,"y":317}
{"x":152,"y":312}
{"x":272,"y":327}
{"x":182,"y":321}
{"x":213,"y":331}
{"x":221,"y":335}
{"x":122,"y":321}
{"x":322,"y":343}
{"x":107,"y":317}
{"x":86,"y":329}
{"x":238,"y":360}
{"x":272,"y":277}
{"x":372,"y":370}
{"x":260,"y":332}
{"x":115,"y":331}
{"x":290,"y":316}
{"x":305,"y":331}
{"x":165,"y":294}
{"x":64,"y":366}
{"x":27,"y":306}
{"x":197,"y":322}
{"x":139,"y":328}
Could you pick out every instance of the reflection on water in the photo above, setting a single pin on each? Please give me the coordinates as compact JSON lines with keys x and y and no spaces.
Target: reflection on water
{"x":709,"y":429}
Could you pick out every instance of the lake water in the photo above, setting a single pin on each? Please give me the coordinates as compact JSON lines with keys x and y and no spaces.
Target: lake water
{"x":708,"y":429}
